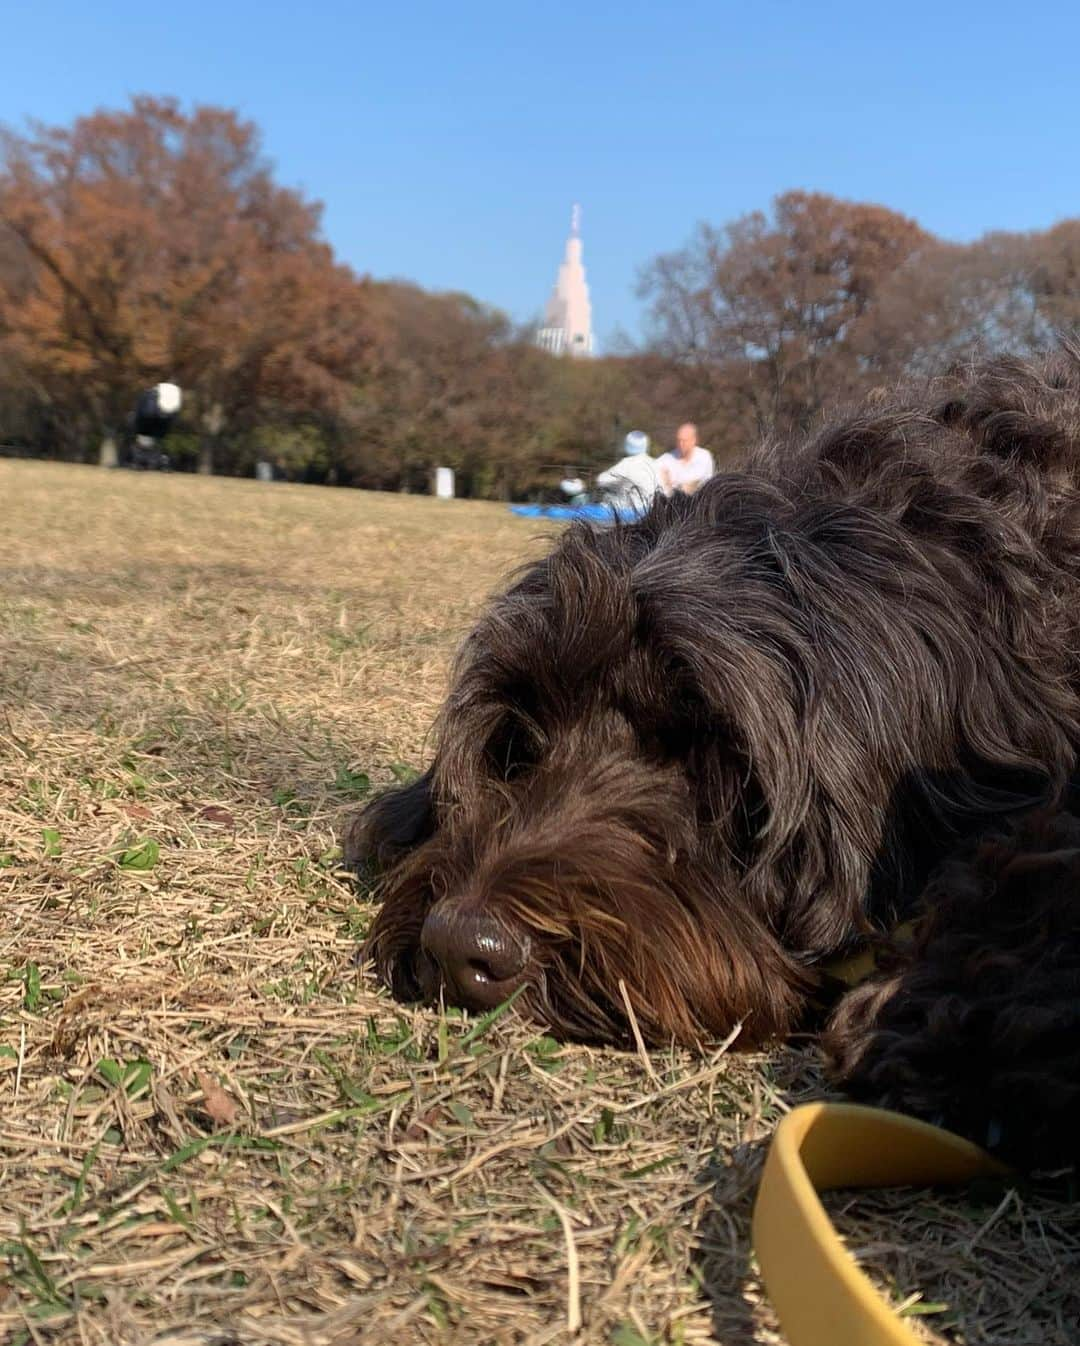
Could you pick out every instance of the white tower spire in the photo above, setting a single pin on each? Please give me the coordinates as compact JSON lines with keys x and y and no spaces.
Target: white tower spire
{"x":567,"y":325}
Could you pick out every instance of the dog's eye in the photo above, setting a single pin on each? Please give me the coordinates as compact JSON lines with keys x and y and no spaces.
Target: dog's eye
{"x":512,"y":749}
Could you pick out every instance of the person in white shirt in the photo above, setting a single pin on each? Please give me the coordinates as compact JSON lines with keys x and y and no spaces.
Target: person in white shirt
{"x":687,"y":466}
{"x":634,"y":480}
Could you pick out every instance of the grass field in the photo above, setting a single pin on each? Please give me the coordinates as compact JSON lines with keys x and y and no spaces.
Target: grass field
{"x":213,"y":1128}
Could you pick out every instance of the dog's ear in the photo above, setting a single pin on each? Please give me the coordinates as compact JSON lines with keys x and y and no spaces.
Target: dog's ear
{"x":389,"y":826}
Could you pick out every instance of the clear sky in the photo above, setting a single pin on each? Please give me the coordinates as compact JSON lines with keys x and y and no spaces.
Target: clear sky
{"x":448,"y":140}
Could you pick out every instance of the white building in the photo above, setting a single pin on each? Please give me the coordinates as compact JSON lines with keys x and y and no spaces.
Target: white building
{"x":567,"y":328}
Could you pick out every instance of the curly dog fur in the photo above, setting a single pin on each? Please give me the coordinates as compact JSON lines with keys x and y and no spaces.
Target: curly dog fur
{"x":686,"y":762}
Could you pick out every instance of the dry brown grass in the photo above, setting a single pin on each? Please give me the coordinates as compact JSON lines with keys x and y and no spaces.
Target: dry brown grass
{"x":212,"y":1128}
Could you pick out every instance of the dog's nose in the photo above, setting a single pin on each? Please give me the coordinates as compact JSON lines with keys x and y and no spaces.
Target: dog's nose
{"x":481,"y":962}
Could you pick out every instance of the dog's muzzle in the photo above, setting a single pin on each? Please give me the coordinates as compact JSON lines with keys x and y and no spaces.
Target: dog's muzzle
{"x":475,"y":961}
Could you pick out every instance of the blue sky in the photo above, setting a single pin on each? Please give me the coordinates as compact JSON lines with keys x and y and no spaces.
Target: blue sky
{"x":448,"y":141}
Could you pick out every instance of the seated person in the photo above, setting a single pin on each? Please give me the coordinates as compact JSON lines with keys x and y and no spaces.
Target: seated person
{"x":687,"y":466}
{"x":634,"y":480}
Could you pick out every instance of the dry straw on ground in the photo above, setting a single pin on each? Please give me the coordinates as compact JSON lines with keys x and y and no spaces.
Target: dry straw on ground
{"x":213,"y":1129}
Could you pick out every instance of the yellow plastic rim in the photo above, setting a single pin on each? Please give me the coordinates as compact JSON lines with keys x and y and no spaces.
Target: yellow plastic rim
{"x":820,"y":1295}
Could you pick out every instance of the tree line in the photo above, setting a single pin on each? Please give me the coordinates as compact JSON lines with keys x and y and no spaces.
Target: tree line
{"x":153,"y":243}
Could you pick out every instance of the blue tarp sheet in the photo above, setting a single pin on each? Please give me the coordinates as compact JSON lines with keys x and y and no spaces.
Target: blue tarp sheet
{"x":595,"y":513}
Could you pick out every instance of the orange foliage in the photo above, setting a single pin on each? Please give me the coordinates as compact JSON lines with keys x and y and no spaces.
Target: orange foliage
{"x":156,"y":245}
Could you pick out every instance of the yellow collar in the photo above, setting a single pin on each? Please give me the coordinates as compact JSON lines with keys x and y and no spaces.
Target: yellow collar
{"x":854,"y":969}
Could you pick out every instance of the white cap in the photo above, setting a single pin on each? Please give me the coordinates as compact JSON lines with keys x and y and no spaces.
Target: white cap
{"x":637,"y":441}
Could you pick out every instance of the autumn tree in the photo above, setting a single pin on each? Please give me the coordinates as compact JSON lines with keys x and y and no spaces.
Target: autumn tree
{"x":764,"y":312}
{"x":454,"y":382}
{"x":155,"y":244}
{"x":429,"y":396}
{"x":1049,"y":283}
{"x":952,"y":302}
